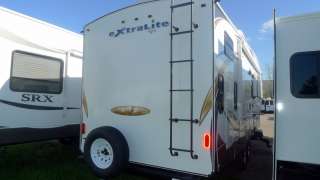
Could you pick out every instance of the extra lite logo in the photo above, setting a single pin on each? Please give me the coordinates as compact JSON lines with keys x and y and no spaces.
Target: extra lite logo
{"x":151,"y":28}
{"x":36,"y":98}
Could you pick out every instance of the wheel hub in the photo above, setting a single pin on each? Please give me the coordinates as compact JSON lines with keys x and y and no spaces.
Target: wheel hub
{"x":101,"y":153}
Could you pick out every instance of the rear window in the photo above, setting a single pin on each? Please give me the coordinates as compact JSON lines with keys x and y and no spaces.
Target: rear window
{"x":35,"y":73}
{"x":304,"y":70}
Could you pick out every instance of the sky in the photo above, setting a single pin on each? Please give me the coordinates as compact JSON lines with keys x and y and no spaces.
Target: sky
{"x":251,"y":16}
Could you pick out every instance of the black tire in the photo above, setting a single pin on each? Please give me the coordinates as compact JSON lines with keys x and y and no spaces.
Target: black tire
{"x":120,"y":151}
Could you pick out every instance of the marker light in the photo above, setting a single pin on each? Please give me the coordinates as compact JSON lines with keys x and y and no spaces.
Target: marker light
{"x":206,"y":141}
{"x":82,"y":128}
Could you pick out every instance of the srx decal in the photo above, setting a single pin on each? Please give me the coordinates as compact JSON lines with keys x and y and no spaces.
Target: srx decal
{"x":36,"y":98}
{"x":151,"y":28}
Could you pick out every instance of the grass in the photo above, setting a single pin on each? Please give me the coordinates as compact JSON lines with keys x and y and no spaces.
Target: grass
{"x":49,"y":161}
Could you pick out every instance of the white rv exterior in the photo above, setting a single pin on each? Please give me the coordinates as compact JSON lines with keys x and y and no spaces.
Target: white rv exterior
{"x":168,"y":85}
{"x":297,"y":52}
{"x":40,"y":80}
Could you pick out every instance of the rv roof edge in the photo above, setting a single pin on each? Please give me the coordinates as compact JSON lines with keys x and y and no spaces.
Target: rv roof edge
{"x":32,"y":32}
{"x":307,"y":16}
{"x":248,"y":49}
{"x":139,"y":3}
{"x":38,"y":21}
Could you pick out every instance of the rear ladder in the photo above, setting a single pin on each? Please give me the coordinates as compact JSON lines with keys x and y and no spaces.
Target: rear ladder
{"x":175,"y":31}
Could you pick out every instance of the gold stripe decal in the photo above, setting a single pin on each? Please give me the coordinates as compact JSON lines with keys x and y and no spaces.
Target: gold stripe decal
{"x":207,"y":105}
{"x":130,"y":110}
{"x":85,"y":104}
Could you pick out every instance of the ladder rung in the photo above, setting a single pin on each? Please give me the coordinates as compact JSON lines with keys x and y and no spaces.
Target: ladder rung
{"x":181,"y":90}
{"x":184,"y":120}
{"x":182,"y":150}
{"x":181,"y":61}
{"x":181,"y":5}
{"x":182,"y":32}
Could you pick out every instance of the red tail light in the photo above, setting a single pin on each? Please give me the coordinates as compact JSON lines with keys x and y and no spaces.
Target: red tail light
{"x":206,"y":141}
{"x":82,"y":128}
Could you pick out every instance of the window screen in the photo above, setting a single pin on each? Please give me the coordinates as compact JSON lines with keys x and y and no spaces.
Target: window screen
{"x":304,"y":70}
{"x":35,"y":73}
{"x":228,"y":46}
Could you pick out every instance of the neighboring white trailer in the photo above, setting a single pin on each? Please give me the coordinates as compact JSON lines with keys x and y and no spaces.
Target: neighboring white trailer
{"x":170,"y":86}
{"x":40,"y":80}
{"x":297,"y":73}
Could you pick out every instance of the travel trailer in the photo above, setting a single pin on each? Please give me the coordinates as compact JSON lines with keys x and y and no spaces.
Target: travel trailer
{"x":297,"y":72}
{"x":40,"y":80}
{"x":168,"y":86}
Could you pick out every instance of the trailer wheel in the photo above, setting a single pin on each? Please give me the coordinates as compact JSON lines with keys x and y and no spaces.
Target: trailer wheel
{"x":106,"y":151}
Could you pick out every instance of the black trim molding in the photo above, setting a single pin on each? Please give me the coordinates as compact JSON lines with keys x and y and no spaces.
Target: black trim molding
{"x":157,"y":172}
{"x":28,"y":106}
{"x":11,"y":136}
{"x":34,"y":107}
{"x":294,"y":170}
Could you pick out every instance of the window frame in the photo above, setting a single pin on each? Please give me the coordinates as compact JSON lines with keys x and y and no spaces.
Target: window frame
{"x":48,"y":58}
{"x":291,"y":62}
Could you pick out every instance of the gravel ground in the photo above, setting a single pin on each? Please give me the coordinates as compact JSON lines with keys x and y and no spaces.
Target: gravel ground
{"x":260,"y":163}
{"x":267,"y":124}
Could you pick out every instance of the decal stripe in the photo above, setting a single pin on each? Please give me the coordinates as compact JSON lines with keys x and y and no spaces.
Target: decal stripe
{"x":34,"y":107}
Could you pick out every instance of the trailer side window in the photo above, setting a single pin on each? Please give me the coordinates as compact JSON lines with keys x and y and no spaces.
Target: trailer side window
{"x":304,"y":70}
{"x":228,"y":46}
{"x":35,"y":73}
